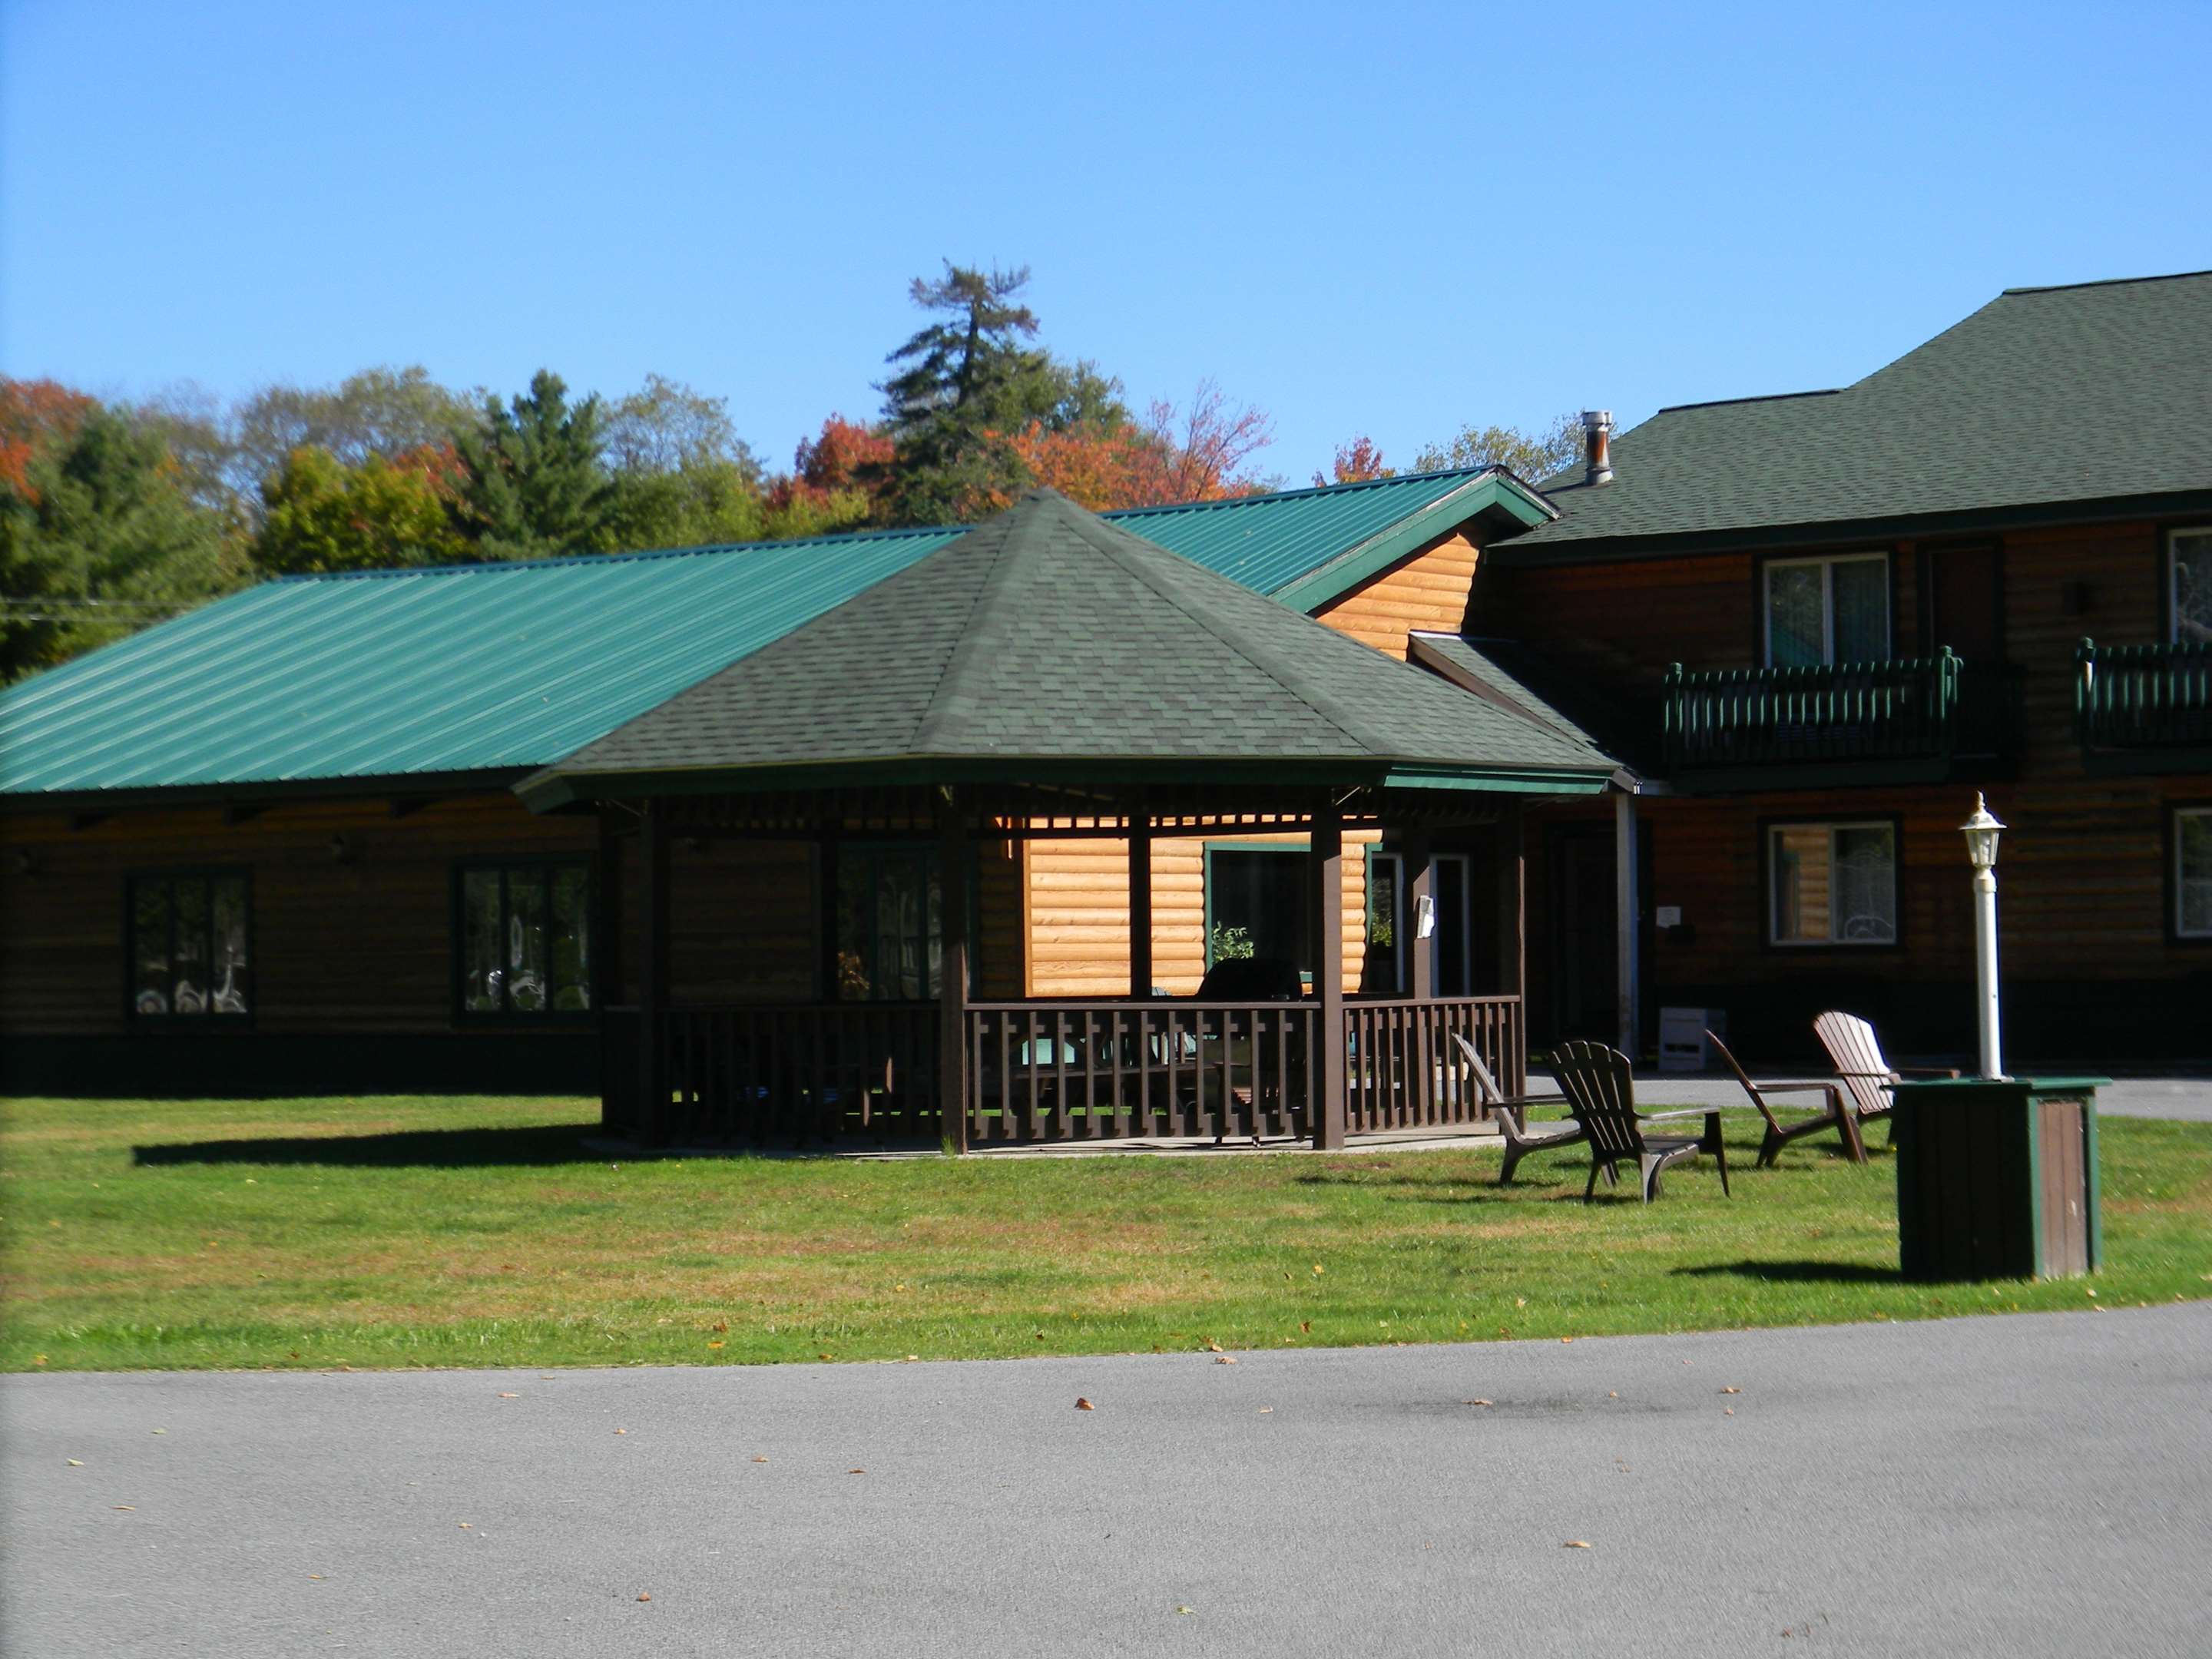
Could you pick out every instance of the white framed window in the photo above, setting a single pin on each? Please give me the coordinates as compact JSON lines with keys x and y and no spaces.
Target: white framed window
{"x":2192,"y":871}
{"x":1831,"y":883}
{"x":1827,"y":611}
{"x":2189,"y":585}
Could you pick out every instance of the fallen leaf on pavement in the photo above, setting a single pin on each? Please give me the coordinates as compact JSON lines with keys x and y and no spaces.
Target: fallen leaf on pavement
{"x":76,"y":1463}
{"x":1225,"y":1359}
{"x":644,"y":1595}
{"x":1475,"y":1403}
{"x":467,"y":1526}
{"x":314,"y":1575}
{"x":1084,"y":1405}
{"x":123,"y":1506}
{"x":1731,"y":1390}
{"x":510,"y":1396}
{"x":1574,"y":1543}
{"x":622,"y":1431}
{"x":1264,"y":1410}
{"x":1728,"y":1411}
{"x":759,"y":1459}
{"x":1182,"y":1609}
{"x":856,"y":1471}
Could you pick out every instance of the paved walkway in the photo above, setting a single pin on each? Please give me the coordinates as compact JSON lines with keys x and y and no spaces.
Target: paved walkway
{"x":2003,"y":1486}
{"x":2187,"y":1097}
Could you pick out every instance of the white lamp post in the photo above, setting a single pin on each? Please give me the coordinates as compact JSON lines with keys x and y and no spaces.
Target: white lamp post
{"x":1981,"y":831}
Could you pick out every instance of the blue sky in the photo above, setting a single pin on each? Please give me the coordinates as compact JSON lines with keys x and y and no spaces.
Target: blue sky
{"x":1363,"y":220}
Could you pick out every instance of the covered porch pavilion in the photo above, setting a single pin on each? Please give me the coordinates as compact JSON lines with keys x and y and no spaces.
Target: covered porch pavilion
{"x":1049,"y":675}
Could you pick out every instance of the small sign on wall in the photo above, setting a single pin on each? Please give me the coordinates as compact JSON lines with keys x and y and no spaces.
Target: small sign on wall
{"x":1670,"y":915}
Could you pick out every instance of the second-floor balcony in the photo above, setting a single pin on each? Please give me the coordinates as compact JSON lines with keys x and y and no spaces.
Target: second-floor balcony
{"x":2144,"y":708}
{"x":1903,"y":720}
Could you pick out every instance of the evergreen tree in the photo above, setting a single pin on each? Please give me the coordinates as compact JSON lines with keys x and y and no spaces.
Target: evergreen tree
{"x":537,"y":484}
{"x":99,"y":535}
{"x":966,"y":382}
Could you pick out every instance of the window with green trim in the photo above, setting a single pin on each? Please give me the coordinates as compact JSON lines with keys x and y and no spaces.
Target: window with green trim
{"x":189,"y":945}
{"x":523,"y":940}
{"x":1257,"y":904}
{"x":1827,"y":611}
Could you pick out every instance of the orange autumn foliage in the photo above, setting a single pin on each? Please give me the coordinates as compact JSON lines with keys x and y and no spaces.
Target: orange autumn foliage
{"x":1197,"y":455}
{"x":32,"y":414}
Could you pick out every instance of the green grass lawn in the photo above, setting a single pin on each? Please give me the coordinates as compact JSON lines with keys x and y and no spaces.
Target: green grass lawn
{"x":391,"y":1232}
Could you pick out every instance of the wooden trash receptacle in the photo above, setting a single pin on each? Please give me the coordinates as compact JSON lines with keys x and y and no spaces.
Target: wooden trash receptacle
{"x":1996,"y":1178}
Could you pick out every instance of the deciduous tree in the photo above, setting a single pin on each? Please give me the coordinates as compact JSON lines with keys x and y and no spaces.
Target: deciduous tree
{"x":100,"y":536}
{"x":1534,"y":455}
{"x":319,"y":515}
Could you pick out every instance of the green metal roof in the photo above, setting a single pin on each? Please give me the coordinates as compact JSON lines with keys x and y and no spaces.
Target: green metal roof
{"x":2043,"y":397}
{"x":1049,"y":638}
{"x":484,"y":667}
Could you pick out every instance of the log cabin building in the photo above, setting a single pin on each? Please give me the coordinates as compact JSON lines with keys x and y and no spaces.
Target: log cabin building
{"x":1721,"y":695}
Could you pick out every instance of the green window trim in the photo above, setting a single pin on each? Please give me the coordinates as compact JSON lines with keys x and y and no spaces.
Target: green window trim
{"x":1798,"y":649}
{"x":523,"y":945}
{"x":1394,"y":926}
{"x":1216,"y":933}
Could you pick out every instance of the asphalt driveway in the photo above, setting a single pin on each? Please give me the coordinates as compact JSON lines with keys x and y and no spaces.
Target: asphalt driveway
{"x":2023,"y":1485}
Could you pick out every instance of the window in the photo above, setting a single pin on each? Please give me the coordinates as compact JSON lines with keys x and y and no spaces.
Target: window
{"x":189,"y":945}
{"x":525,"y":939}
{"x":891,"y":937}
{"x":1827,"y":611}
{"x":2189,"y":591}
{"x":1385,"y":968}
{"x":1831,"y":883}
{"x":2192,"y":872}
{"x":1256,"y":904}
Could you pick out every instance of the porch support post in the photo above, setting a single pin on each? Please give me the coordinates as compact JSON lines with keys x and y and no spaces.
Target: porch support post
{"x":1513,"y":936}
{"x":952,"y":972}
{"x":653,"y":976}
{"x":1326,"y":860}
{"x":1626,"y":907}
{"x":1140,"y":901}
{"x":1420,"y":883}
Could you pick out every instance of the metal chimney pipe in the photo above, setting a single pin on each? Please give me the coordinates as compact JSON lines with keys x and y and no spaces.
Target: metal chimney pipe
{"x":1597,"y":446}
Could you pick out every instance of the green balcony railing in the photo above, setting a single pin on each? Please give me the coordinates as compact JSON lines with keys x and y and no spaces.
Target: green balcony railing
{"x":2137,"y":697}
{"x":1904,"y":709}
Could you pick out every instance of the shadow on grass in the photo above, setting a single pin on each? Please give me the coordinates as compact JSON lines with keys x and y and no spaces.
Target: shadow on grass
{"x":440,"y":1149}
{"x":1796,"y":1272}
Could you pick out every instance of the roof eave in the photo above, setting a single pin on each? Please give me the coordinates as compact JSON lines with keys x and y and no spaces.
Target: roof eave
{"x":1609,"y":549}
{"x":1497,"y":494}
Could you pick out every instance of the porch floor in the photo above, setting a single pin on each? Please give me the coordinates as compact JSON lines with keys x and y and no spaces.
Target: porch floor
{"x":1395,"y":1140}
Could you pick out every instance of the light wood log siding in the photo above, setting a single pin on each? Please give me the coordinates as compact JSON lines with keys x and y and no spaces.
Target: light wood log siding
{"x":1078,"y":900}
{"x":2082,"y":874}
{"x":1427,"y":591}
{"x":362,"y":947}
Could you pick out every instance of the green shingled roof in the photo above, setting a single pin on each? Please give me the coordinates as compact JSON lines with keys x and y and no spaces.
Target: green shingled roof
{"x":2045,"y":397}
{"x":1048,"y":638}
{"x":491,"y":667}
{"x":1504,"y":673}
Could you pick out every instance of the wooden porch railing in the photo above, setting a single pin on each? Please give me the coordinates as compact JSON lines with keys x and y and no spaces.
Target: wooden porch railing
{"x":1045,"y":1071}
{"x":1086,"y":1071}
{"x":799,"y":1075}
{"x":2142,"y":696}
{"x":1062,"y":1072}
{"x":1404,"y":1071}
{"x":1905,"y":708}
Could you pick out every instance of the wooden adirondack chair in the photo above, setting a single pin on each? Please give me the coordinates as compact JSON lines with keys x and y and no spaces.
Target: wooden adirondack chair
{"x":1857,"y":1054}
{"x":1780,"y":1135}
{"x":1598,"y":1083}
{"x":1511,"y":1115}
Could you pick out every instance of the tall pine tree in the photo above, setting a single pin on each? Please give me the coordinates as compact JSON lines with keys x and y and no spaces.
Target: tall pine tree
{"x":538,"y":483}
{"x":966,"y":382}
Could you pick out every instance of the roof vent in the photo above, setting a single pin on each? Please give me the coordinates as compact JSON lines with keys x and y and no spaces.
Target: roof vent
{"x":1597,"y":446}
